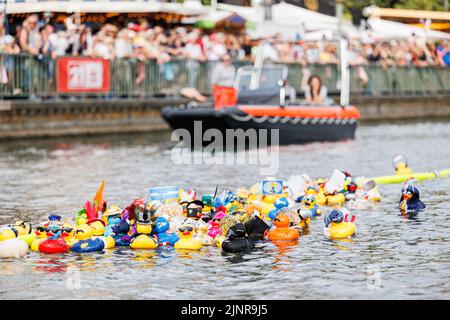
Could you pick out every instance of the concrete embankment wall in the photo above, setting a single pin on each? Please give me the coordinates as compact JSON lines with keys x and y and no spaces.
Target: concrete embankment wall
{"x":20,"y":119}
{"x":390,"y":108}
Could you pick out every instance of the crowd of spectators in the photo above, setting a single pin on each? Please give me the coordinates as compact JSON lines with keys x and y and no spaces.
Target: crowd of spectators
{"x":142,"y":41}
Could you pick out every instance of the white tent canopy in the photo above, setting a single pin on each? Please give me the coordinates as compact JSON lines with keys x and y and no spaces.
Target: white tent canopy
{"x":390,"y":29}
{"x":252,"y":14}
{"x":269,"y":29}
{"x":188,"y":8}
{"x":213,"y":16}
{"x":288,"y":20}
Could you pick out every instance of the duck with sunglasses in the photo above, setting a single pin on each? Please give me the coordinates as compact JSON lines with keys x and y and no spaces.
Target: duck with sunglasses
{"x":187,"y":240}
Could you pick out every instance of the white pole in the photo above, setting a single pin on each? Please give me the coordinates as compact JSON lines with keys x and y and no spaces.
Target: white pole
{"x":213,"y":5}
{"x":259,"y":62}
{"x":345,"y":74}
{"x":339,"y":14}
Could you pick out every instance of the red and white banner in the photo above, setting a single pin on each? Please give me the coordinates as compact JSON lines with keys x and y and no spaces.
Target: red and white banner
{"x":77,"y":74}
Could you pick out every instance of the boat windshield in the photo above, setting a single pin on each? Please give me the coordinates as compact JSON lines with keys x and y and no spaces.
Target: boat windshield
{"x":250,"y":78}
{"x":260,"y":85}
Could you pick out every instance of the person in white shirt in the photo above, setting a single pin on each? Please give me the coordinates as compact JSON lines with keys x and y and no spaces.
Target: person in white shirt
{"x":224,"y":72}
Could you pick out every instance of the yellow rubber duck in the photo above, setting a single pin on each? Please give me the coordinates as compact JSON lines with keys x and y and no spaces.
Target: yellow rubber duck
{"x":40,"y":236}
{"x":187,"y":241}
{"x":401,"y":165}
{"x":82,"y":232}
{"x":98,"y":228}
{"x":143,"y":240}
{"x":335,"y":199}
{"x":19,"y":228}
{"x":219,"y":240}
{"x":201,"y":230}
{"x":341,"y":230}
{"x":402,"y":168}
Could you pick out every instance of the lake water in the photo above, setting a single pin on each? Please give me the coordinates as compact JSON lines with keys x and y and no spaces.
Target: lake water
{"x":390,"y":257}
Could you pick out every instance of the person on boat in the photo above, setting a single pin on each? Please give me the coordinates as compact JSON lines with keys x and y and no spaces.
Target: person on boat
{"x":315,"y":92}
{"x":224,"y":72}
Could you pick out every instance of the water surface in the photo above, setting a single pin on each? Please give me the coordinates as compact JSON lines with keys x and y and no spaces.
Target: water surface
{"x":389,"y":258}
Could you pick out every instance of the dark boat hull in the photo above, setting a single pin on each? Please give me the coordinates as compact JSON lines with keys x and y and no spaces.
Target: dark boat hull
{"x":291,"y":130}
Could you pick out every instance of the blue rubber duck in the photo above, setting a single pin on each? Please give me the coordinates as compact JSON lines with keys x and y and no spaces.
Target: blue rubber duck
{"x":164,"y":238}
{"x":410,"y":202}
{"x":279,"y":204}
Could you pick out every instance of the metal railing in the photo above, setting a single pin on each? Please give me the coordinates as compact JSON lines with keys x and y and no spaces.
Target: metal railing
{"x":23,"y":76}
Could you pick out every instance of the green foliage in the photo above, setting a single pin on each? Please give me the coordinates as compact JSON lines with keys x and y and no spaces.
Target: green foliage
{"x":421,"y":4}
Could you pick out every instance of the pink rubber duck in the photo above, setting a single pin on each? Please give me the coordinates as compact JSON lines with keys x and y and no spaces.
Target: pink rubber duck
{"x":214,"y":224}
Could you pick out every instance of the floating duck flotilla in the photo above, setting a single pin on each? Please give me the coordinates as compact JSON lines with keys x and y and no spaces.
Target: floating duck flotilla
{"x":272,"y":210}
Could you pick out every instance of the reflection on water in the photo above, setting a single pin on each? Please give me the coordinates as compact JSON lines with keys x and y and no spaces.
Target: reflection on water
{"x":390,"y":257}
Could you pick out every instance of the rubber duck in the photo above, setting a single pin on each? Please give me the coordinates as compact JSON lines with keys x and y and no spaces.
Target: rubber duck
{"x":194,"y":209}
{"x":242,"y":195}
{"x":121,"y":233}
{"x":201,"y":233}
{"x":143,"y":241}
{"x":305,"y":218}
{"x":337,"y":225}
{"x":13,"y":248}
{"x":93,"y":220}
{"x":282,"y":232}
{"x":162,"y":225}
{"x":401,"y":165}
{"x":264,"y":207}
{"x":186,"y":196}
{"x":281,"y":203}
{"x":309,"y":202}
{"x":28,"y":238}
{"x":208,"y":210}
{"x":173,"y":212}
{"x":86,"y":242}
{"x":239,"y":213}
{"x":142,"y":219}
{"x":214,"y":224}
{"x":81,"y":217}
{"x":187,"y":242}
{"x":319,"y":191}
{"x":54,"y":244}
{"x":253,"y":192}
{"x":54,"y":226}
{"x":410,"y":203}
{"x":19,"y":228}
{"x":224,"y":199}
{"x":371,"y":192}
{"x":40,"y":236}
{"x":142,"y":229}
{"x":336,"y":199}
{"x":218,"y":241}
{"x":111,"y":217}
{"x":350,"y":188}
{"x":237,"y":240}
